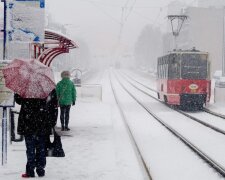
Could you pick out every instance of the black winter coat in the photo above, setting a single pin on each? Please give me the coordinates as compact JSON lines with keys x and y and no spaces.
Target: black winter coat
{"x":52,"y":108}
{"x":36,"y":117}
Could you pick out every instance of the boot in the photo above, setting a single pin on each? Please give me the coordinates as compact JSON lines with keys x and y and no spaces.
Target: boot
{"x":40,"y":172}
{"x":67,"y":129}
{"x":62,"y":129}
{"x":25,"y":175}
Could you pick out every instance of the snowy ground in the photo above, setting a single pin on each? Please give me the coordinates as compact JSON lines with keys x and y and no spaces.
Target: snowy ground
{"x":99,"y":147}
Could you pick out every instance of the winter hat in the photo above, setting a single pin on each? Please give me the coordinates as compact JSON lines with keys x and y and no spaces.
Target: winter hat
{"x":65,"y":74}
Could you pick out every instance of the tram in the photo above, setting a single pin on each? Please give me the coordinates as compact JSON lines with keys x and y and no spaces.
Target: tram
{"x":184,"y":79}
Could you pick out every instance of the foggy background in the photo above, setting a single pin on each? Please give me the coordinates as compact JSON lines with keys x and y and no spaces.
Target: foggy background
{"x":132,"y":33}
{"x":114,"y":32}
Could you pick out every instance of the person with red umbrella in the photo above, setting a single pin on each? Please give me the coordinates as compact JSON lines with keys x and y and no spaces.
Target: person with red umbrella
{"x":34,"y":127}
{"x":33,"y":84}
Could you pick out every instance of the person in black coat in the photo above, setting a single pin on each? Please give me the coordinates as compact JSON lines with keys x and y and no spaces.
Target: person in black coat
{"x":35,"y":124}
{"x":52,"y":115}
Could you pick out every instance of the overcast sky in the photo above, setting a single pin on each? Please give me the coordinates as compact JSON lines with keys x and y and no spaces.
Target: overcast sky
{"x":99,"y":22}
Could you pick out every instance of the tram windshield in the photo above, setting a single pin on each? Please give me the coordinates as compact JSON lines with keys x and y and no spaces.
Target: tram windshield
{"x":194,"y":66}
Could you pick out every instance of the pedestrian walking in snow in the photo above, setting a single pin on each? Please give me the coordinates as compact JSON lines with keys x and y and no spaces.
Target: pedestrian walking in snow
{"x":66,"y":93}
{"x":33,"y":124}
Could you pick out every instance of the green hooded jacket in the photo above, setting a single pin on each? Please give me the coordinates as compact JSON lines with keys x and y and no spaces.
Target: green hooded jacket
{"x":66,"y":92}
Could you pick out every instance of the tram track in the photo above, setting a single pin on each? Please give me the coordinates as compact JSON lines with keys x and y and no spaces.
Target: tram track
{"x":137,"y":150}
{"x":214,"y":113}
{"x":153,"y":90}
{"x":215,"y":165}
{"x":217,"y":129}
{"x":147,"y":87}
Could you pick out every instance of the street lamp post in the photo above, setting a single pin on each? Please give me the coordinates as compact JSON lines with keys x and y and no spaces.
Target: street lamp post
{"x":176,"y":25}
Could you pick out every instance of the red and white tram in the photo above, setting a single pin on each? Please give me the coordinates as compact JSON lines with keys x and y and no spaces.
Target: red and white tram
{"x":184,"y":78}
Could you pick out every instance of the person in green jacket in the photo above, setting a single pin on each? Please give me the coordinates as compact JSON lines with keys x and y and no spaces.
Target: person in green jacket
{"x":66,"y":93}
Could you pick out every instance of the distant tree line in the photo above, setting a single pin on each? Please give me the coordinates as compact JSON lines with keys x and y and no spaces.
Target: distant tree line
{"x":148,"y":48}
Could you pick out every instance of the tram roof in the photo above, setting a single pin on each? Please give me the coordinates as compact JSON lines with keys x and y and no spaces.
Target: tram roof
{"x":187,"y":52}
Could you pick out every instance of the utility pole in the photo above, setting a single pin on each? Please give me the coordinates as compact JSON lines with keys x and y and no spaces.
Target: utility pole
{"x":4,"y":109}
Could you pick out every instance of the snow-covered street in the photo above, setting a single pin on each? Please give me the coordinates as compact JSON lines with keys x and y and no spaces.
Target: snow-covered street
{"x":99,"y":147}
{"x":139,"y":86}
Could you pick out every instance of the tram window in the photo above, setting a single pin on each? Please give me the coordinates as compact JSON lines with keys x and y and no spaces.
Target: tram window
{"x":194,"y":66}
{"x":160,"y":61}
{"x":166,"y":70}
{"x":161,"y":69}
{"x":174,"y":67}
{"x":174,"y":71}
{"x":166,"y":66}
{"x":158,"y":71}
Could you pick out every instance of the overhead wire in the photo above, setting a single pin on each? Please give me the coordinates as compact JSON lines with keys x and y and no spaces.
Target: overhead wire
{"x":125,"y":17}
{"x":104,"y":12}
{"x":152,"y":21}
{"x":143,"y":16}
{"x":131,"y":9}
{"x":192,"y":2}
{"x":125,"y":7}
{"x":123,"y":20}
{"x":107,"y":4}
{"x":157,"y":17}
{"x":126,"y":11}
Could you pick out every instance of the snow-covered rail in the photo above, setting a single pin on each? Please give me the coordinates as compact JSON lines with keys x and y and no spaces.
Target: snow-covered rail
{"x":214,"y":113}
{"x":216,"y":127}
{"x":139,"y":82}
{"x":154,"y":90}
{"x":138,"y":152}
{"x":213,"y":163}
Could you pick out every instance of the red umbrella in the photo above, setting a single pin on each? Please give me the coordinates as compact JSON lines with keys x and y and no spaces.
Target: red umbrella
{"x":29,"y":79}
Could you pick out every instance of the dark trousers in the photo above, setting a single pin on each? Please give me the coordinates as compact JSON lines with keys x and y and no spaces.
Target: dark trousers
{"x":35,"y":154}
{"x":65,"y":115}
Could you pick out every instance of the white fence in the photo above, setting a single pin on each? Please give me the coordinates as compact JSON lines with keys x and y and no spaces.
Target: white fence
{"x":89,"y":92}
